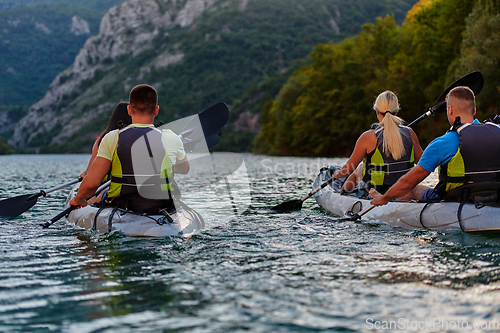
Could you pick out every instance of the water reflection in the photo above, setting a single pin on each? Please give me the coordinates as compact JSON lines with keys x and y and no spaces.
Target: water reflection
{"x":125,"y":276}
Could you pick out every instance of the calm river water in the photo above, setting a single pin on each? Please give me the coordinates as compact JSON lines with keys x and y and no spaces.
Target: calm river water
{"x":250,"y":270}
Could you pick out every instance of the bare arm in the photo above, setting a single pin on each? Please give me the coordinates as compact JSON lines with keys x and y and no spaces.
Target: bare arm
{"x":97,"y":172}
{"x":182,"y":166}
{"x":365,"y":144}
{"x":95,"y":149}
{"x":402,"y":187}
{"x":417,"y":149}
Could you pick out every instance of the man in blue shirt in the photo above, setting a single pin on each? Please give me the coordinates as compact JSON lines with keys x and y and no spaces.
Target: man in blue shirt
{"x":460,"y":102}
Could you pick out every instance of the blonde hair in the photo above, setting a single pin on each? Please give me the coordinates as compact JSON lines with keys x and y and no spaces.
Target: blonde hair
{"x":387,"y":104}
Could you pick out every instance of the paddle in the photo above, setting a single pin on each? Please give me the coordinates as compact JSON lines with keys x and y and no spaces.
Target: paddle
{"x":15,"y":206}
{"x":72,"y":208}
{"x":204,"y":130}
{"x":297,"y":204}
{"x":473,"y":80}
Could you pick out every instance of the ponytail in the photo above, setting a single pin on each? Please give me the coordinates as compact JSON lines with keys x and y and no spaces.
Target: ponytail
{"x":387,"y":104}
{"x":392,"y":140}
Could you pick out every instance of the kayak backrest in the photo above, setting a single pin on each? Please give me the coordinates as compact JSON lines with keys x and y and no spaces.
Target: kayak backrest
{"x":487,"y":193}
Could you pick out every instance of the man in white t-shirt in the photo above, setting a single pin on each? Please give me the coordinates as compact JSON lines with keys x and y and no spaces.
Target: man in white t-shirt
{"x":140,"y":158}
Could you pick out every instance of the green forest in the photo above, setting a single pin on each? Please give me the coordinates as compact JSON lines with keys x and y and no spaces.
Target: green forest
{"x":325,"y":105}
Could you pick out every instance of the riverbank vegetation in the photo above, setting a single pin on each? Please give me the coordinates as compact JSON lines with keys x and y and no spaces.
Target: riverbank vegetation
{"x":323,"y":107}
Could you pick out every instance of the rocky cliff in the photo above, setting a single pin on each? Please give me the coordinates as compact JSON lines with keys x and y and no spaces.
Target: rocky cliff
{"x":126,"y":30}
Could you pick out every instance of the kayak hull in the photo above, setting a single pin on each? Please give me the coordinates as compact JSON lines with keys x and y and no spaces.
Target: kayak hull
{"x":411,"y":215}
{"x":185,"y":221}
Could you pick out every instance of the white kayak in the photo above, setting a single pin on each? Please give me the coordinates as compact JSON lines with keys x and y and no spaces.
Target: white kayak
{"x":185,"y":220}
{"x":410,"y":214}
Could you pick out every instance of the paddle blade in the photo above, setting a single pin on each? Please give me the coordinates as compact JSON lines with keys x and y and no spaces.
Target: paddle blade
{"x":203,"y":144}
{"x":201,"y":131}
{"x":214,"y":118}
{"x":14,"y":207}
{"x":206,"y":123}
{"x":288,"y":206}
{"x":474,"y":81}
{"x":213,"y":139}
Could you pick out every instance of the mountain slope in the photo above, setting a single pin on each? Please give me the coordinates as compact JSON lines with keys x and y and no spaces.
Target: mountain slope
{"x":43,"y":40}
{"x":195,"y":52}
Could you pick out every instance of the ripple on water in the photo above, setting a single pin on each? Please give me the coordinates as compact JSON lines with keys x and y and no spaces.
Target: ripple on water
{"x":259,"y":271}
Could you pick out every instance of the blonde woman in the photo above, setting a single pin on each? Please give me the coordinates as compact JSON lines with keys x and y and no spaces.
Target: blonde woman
{"x":388,"y":149}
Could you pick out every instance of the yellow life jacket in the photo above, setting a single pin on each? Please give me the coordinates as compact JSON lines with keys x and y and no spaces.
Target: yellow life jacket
{"x":380,"y":170}
{"x":477,"y":159}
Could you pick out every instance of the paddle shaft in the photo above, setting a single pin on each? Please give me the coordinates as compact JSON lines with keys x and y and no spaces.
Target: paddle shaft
{"x":319,"y":188}
{"x":429,"y":113}
{"x":55,"y":188}
{"x":356,"y":216}
{"x":472,"y":80}
{"x":364,"y":212}
{"x":72,"y":208}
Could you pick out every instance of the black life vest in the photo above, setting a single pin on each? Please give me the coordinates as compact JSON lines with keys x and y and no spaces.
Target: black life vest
{"x":141,"y":168}
{"x":477,"y":159}
{"x":380,"y":170}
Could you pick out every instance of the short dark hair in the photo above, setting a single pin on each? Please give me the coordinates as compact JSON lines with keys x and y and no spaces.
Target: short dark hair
{"x":143,"y":98}
{"x":465,"y":94}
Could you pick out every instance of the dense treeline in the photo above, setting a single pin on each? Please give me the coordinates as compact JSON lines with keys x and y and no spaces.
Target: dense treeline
{"x":5,"y":149}
{"x":325,"y":106}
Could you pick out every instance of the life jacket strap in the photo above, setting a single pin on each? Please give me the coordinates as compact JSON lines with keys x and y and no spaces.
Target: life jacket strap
{"x":131,"y":180}
{"x":467,"y":177}
{"x":387,"y":168}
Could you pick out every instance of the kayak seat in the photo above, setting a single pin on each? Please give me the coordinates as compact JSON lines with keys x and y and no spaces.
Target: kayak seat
{"x":481,"y":194}
{"x":337,"y":184}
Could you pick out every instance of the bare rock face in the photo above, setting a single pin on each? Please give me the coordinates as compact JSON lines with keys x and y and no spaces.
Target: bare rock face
{"x":247,"y":121}
{"x":79,"y":26}
{"x":125,"y":30}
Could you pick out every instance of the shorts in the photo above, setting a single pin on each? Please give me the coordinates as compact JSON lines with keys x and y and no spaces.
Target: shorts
{"x":429,"y":195}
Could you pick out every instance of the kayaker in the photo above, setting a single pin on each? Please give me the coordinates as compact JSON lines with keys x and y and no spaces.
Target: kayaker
{"x":388,"y":149}
{"x":468,"y":153}
{"x":139,"y":160}
{"x":119,"y":119}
